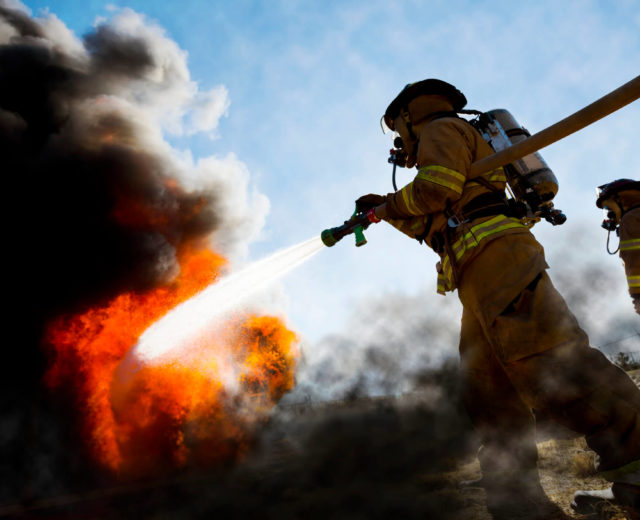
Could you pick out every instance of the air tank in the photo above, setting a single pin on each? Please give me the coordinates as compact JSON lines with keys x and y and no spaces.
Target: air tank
{"x":530,"y":177}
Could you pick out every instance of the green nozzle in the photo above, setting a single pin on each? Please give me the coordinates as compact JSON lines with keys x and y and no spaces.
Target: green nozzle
{"x":327,"y":237}
{"x":356,"y":224}
{"x":360,"y":239}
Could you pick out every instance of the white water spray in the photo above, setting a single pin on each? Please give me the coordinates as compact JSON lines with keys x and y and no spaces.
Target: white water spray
{"x":189,"y":319}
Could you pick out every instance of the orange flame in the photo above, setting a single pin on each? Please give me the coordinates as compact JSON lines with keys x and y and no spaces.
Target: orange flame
{"x":172,"y":414}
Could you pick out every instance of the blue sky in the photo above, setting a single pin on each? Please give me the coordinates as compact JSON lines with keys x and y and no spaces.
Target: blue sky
{"x":308,"y":81}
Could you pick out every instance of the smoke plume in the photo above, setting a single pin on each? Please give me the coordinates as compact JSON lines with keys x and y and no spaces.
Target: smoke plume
{"x":390,"y":342}
{"x":95,"y":187}
{"x":97,"y":202}
{"x":594,"y":285}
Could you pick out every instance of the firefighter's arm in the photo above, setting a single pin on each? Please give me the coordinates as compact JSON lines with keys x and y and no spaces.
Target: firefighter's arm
{"x":413,"y":227}
{"x":444,"y":158}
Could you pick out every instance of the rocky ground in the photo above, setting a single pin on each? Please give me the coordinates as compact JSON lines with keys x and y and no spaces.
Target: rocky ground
{"x":360,"y":459}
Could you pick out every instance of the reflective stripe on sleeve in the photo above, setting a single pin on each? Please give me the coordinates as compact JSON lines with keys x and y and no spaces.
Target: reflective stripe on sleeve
{"x":443,"y":176}
{"x":496,"y":175}
{"x":630,"y":245}
{"x":409,"y":202}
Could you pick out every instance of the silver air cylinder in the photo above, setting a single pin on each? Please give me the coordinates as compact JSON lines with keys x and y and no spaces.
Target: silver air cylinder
{"x":529,"y":176}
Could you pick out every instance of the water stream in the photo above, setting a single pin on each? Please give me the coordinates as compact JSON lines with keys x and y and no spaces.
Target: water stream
{"x":198,"y":313}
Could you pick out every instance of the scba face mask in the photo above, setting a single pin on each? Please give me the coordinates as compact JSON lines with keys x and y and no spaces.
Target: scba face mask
{"x":407,"y":140}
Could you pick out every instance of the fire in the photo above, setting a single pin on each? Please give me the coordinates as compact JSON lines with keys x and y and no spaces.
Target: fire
{"x":198,"y":409}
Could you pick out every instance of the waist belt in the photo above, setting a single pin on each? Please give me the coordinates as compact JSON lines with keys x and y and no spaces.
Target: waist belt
{"x":486,"y":205}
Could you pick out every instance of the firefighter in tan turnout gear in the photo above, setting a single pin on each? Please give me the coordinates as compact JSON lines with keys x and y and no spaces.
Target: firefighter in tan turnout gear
{"x":621,"y":202}
{"x":521,"y":347}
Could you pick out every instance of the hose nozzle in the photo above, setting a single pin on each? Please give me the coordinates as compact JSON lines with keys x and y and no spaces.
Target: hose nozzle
{"x":356,"y":224}
{"x":328,"y":238}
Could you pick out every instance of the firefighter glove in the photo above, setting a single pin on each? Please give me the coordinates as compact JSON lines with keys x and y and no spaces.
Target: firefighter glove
{"x":370,"y":201}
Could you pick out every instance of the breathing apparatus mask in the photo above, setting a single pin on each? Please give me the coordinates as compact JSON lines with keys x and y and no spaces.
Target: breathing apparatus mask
{"x":611,"y":216}
{"x":398,"y":155}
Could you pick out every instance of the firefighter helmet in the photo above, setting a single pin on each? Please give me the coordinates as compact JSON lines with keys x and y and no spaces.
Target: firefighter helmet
{"x":420,"y":88}
{"x":606,"y":191}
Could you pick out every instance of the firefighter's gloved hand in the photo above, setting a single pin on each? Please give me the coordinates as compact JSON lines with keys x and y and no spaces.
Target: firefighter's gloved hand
{"x":636,"y":303}
{"x":366,"y":202}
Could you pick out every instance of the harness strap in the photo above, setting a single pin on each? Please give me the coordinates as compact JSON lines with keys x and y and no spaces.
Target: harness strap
{"x":427,"y":228}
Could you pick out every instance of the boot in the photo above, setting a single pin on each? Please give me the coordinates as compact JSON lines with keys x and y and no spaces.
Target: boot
{"x":516,"y":502}
{"x":511,"y":481}
{"x":593,"y":502}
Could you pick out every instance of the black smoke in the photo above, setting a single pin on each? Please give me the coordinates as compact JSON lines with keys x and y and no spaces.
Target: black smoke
{"x":94,"y":205}
{"x":95,"y":210}
{"x":366,"y":458}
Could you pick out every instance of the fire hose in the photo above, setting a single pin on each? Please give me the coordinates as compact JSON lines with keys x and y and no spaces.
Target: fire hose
{"x":604,"y":106}
{"x":584,"y":117}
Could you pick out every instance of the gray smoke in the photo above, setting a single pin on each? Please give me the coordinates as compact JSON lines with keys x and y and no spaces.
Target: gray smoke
{"x":96,"y":200}
{"x":593,"y":284}
{"x":392,"y":340}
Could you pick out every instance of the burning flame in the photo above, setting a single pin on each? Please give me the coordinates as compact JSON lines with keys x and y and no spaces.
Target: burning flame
{"x":198,"y":408}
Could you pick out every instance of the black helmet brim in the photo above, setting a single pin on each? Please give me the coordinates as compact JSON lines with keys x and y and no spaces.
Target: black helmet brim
{"x":420,"y":88}
{"x":606,"y":191}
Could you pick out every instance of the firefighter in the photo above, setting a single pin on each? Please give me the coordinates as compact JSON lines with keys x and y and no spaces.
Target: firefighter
{"x":620,"y":201}
{"x":521,"y":347}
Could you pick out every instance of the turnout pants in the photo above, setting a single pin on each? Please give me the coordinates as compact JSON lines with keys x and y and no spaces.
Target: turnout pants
{"x":564,"y":378}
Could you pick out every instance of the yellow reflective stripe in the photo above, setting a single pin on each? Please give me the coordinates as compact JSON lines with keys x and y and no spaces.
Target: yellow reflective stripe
{"x":447,"y":269}
{"x":478,"y":237}
{"x":468,"y":241}
{"x":445,"y":277}
{"x":407,"y":198}
{"x":496,"y":175}
{"x":443,"y":176}
{"x":630,"y":245}
{"x":633,"y":281}
{"x":480,"y":231}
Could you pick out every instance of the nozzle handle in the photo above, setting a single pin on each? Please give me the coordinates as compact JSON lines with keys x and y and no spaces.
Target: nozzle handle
{"x":359,"y":230}
{"x":360,"y":238}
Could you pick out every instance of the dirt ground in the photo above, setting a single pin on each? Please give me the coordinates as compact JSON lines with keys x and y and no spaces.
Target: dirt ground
{"x":361,"y":459}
